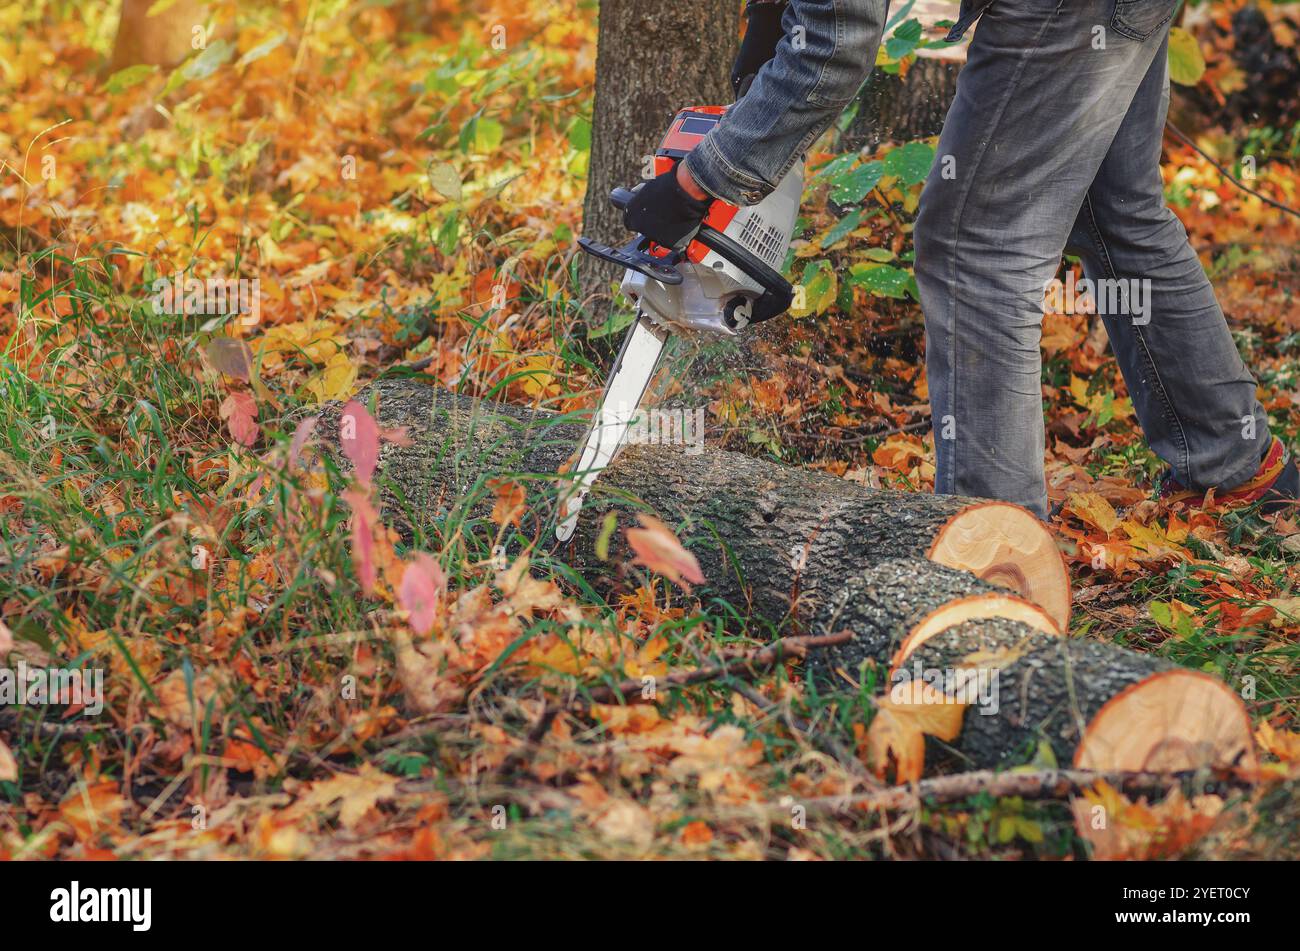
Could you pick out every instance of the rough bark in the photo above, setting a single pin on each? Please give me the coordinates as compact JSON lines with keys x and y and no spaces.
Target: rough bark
{"x":900,"y":109}
{"x":1050,"y":691}
{"x":767,"y":536}
{"x":160,"y":40}
{"x":890,"y":606}
{"x":652,"y":60}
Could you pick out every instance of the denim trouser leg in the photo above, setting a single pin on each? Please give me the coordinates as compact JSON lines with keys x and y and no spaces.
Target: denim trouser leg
{"x":1057,"y":122}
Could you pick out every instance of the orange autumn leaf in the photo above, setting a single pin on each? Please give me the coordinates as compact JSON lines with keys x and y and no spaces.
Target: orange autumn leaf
{"x":658,"y":549}
{"x":1284,"y":744}
{"x":904,"y":717}
{"x":508,"y":509}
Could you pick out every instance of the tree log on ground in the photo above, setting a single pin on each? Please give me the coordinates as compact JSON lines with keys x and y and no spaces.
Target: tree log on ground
{"x":768,"y":537}
{"x":893,"y":608}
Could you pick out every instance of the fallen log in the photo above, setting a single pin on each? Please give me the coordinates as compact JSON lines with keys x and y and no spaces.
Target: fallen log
{"x":1096,"y":705}
{"x":771,"y":540}
{"x":897,"y":606}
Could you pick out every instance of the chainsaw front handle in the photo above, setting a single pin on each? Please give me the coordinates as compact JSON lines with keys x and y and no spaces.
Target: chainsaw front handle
{"x":777,"y":293}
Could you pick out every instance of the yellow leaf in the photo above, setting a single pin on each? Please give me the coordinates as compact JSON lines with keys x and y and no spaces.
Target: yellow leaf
{"x":358,"y":794}
{"x":1186,"y":62}
{"x":1093,"y":510}
{"x":335,"y":381}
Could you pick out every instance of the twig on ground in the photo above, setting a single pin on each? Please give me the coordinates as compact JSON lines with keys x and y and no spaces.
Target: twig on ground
{"x":1037,"y":784}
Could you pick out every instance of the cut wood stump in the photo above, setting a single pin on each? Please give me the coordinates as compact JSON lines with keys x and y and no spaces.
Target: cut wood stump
{"x":895,"y":607}
{"x":1097,"y":706}
{"x":771,"y":540}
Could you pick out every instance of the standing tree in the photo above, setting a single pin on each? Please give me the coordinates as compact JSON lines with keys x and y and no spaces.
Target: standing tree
{"x":163,"y":39}
{"x":651,"y":60}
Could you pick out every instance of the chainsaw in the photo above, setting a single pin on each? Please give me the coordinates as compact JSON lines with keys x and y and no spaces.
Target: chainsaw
{"x":724,"y":280}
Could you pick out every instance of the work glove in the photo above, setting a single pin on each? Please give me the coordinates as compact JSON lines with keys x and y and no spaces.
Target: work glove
{"x":662,"y":211}
{"x":759,"y":45}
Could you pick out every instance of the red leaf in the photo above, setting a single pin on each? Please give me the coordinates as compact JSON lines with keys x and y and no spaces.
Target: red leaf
{"x":364,"y":519}
{"x":240,"y":413}
{"x":659,"y":550}
{"x":359,"y":436}
{"x":422,"y":585}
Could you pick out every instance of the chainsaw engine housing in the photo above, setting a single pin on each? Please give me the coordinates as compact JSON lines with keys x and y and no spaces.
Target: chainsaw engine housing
{"x":716,"y":295}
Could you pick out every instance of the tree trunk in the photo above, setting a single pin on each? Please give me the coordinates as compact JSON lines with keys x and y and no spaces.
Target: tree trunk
{"x":895,"y":607}
{"x":160,"y":40}
{"x":652,"y":60}
{"x":894,"y":109}
{"x":770,"y":539}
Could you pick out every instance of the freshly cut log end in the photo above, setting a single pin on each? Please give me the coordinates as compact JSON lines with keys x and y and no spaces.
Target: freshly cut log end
{"x":1006,"y":545}
{"x":896,"y":607}
{"x":977,"y":607}
{"x":1173,"y":720}
{"x":1097,"y":706}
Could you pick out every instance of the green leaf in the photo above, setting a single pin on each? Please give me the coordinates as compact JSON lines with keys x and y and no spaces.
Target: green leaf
{"x":606,"y":532}
{"x":883,"y":280}
{"x":126,"y":78}
{"x":904,"y":40}
{"x":448,"y":234}
{"x":489,"y":135}
{"x":842,"y":229}
{"x":1186,"y":63}
{"x":911,"y":162}
{"x":210,"y":60}
{"x":880,"y":255}
{"x":852,"y":187}
{"x":580,"y":134}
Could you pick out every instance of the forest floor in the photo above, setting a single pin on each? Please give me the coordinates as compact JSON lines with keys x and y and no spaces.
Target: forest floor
{"x":160,"y":521}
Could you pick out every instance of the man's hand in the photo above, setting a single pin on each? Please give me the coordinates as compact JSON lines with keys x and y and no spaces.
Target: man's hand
{"x":667,"y":211}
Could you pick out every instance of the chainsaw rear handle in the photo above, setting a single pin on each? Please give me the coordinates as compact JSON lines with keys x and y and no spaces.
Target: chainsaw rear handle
{"x":777,"y":293}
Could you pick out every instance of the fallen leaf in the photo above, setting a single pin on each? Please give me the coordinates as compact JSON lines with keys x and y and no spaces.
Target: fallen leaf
{"x":357,"y":795}
{"x":240,"y":413}
{"x":302,"y":433}
{"x":904,"y":717}
{"x":509,"y":506}
{"x":231,"y":357}
{"x":1093,"y":510}
{"x":658,"y":549}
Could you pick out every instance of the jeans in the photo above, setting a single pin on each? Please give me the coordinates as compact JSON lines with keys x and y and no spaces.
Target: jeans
{"x":828,"y":49}
{"x":1053,"y":144}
